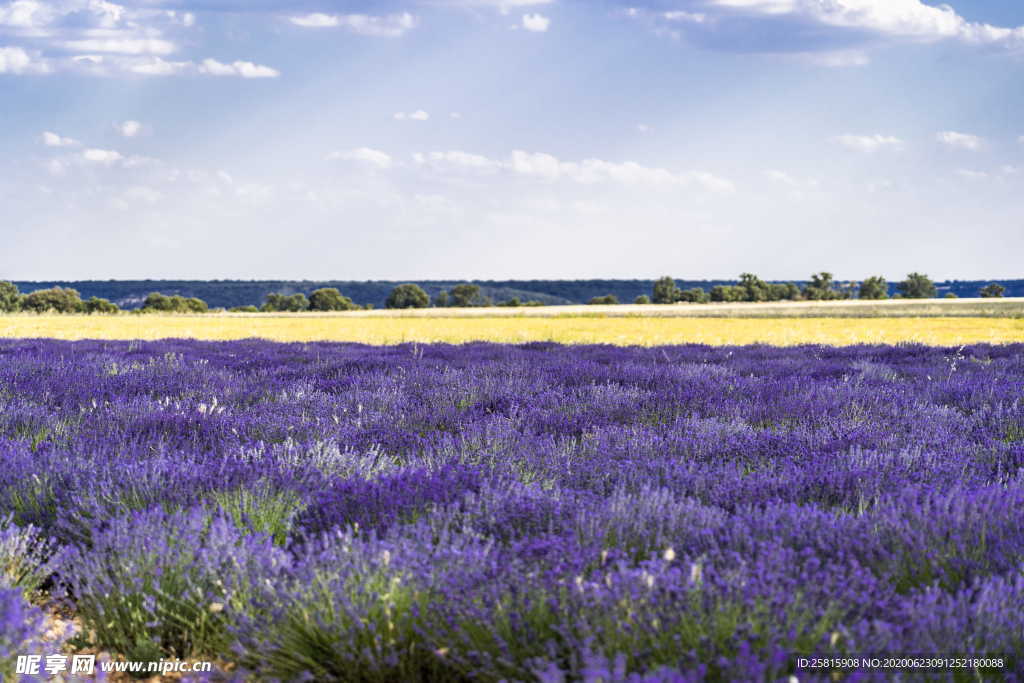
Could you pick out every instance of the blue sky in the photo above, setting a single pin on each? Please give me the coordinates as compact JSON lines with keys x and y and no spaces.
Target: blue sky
{"x":511,"y":139}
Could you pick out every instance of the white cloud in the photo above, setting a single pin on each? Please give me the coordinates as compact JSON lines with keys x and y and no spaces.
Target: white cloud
{"x":24,"y":14}
{"x":972,"y":175}
{"x":901,"y":18}
{"x":101,"y":156}
{"x":869,"y":143}
{"x":548,"y":168}
{"x":389,"y":26}
{"x":159,"y":67}
{"x":128,"y":46}
{"x":836,"y":58}
{"x":537,"y":23}
{"x":643,"y":128}
{"x":504,"y":6}
{"x":129,"y":129}
{"x":54,"y":140}
{"x":15,"y":60}
{"x":782,"y":177}
{"x":237,"y":68}
{"x":688,"y":17}
{"x":960,"y":140}
{"x":418,"y":115}
{"x":366,"y":155}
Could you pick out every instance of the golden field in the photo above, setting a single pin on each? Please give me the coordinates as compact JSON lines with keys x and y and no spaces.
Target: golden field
{"x":384,"y":328}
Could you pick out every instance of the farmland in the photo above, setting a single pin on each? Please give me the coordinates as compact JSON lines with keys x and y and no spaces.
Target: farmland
{"x":530,"y":512}
{"x":934,"y":322}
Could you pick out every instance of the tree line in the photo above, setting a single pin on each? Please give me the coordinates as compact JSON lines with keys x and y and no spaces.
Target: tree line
{"x":751,"y":288}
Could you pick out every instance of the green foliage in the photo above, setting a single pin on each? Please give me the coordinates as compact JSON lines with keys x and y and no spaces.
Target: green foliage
{"x":992,"y":291}
{"x":726,"y":293}
{"x":875,"y":288}
{"x":606,"y":300}
{"x":160,"y":303}
{"x":408,"y":296}
{"x":441,"y":300}
{"x":754,"y":288}
{"x":514,"y":302}
{"x":918,"y":286}
{"x":466,"y":295}
{"x":57,"y":299}
{"x":261,"y":509}
{"x":643,"y":299}
{"x":822,"y":288}
{"x":951,"y":295}
{"x":98,"y":305}
{"x":665,"y":291}
{"x":10,"y":297}
{"x":243,"y":309}
{"x":694,"y":295}
{"x":289,"y":304}
{"x":330,"y":299}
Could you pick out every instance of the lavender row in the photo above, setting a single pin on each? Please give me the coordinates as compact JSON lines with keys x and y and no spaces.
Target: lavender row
{"x":534,"y":512}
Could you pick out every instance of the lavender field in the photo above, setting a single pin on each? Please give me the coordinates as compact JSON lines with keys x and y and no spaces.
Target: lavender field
{"x":537,"y":512}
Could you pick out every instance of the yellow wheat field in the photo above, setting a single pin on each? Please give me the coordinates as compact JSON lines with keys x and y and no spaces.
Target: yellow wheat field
{"x":643,"y":331}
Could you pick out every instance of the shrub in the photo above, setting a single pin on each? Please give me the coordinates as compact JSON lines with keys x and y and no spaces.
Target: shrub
{"x":57,"y":299}
{"x":10,"y":297}
{"x":244,"y":309}
{"x":992,"y":291}
{"x":98,"y":305}
{"x":694,"y":295}
{"x":874,"y":287}
{"x":282,"y":303}
{"x":606,"y":300}
{"x":665,"y":291}
{"x":408,"y":296}
{"x":917,"y":286}
{"x":330,"y":299}
{"x":642,"y":300}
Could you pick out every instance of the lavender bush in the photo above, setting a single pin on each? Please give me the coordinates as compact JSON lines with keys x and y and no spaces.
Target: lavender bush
{"x":535,"y":512}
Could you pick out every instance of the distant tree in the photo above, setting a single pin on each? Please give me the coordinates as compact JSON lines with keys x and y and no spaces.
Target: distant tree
{"x":754,"y":288}
{"x":643,"y":299}
{"x":606,"y":300}
{"x":917,"y":286}
{"x":196,"y":305}
{"x":408,"y":296}
{"x":992,"y":291}
{"x":726,"y":293}
{"x":466,"y":295}
{"x":330,"y":299}
{"x":665,"y":291}
{"x":822,"y":288}
{"x":783,"y":292}
{"x":57,"y":299}
{"x":243,"y":309}
{"x":440,"y":300}
{"x":875,"y":287}
{"x":157,"y":302}
{"x":950,"y":295}
{"x":286,"y":304}
{"x":694,"y":295}
{"x":101,"y":306}
{"x":10,"y":297}
{"x":514,"y":302}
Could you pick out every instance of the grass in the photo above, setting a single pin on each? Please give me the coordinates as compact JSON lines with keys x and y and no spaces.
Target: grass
{"x":658,"y":325}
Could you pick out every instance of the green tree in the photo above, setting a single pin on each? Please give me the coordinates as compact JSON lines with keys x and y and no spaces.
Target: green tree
{"x":875,"y":287}
{"x":101,"y":306}
{"x":726,"y":293}
{"x":821,"y":288}
{"x":441,"y":300}
{"x":243,"y":309}
{"x":196,"y":305}
{"x":783,"y":292}
{"x":10,"y":297}
{"x":665,"y":291}
{"x":57,"y":299}
{"x":917,"y":286}
{"x":643,"y":299}
{"x":330,"y":299}
{"x":694,"y":295}
{"x":992,"y":291}
{"x":157,"y":302}
{"x":754,"y":288}
{"x":466,"y":295}
{"x":295,"y":303}
{"x":408,"y":296}
{"x":606,"y":300}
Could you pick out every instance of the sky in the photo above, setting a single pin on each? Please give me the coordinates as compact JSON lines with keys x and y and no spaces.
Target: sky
{"x":494,"y":139}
